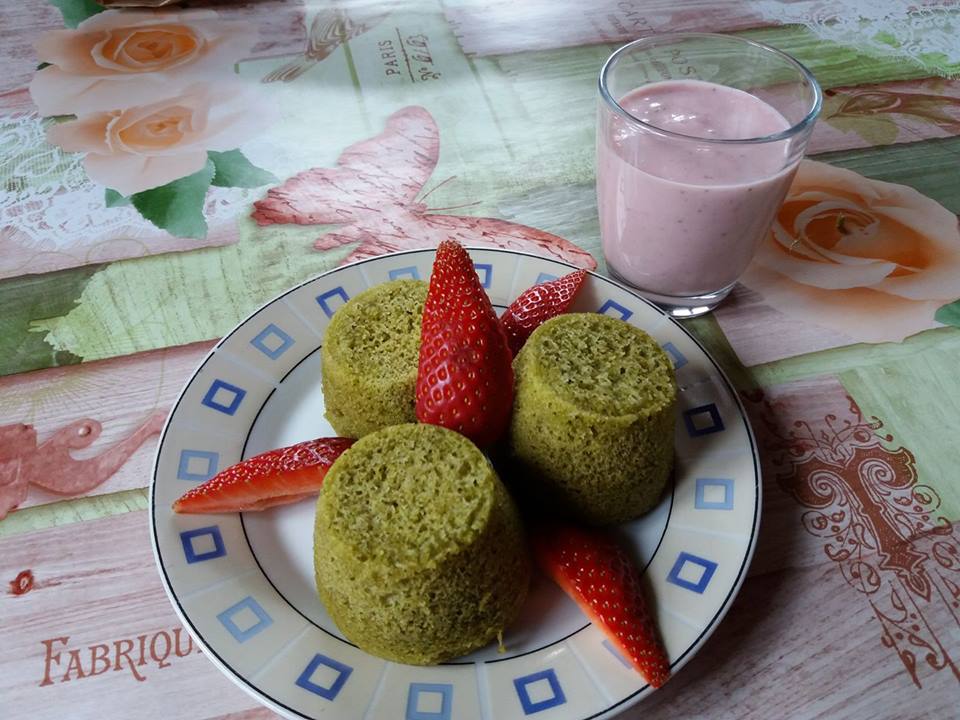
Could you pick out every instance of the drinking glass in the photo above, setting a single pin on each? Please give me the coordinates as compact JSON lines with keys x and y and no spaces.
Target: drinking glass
{"x":698,"y":138}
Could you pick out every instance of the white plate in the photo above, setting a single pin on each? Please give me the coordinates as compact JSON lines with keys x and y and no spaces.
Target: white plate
{"x":243,"y":583}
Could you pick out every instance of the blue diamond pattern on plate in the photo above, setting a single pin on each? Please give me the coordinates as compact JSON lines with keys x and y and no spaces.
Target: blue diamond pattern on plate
{"x":333,"y":676}
{"x":223,"y":397}
{"x":327,"y":300}
{"x":616,"y":653}
{"x":485,"y":273}
{"x":429,"y":701}
{"x":539,"y":691}
{"x":201,"y":544}
{"x":615,"y":309}
{"x":236,"y":619}
{"x":272,"y":341}
{"x":410,"y":273}
{"x":678,"y":358}
{"x":706,"y":496}
{"x":544,"y":277}
{"x":197,"y":465}
{"x":703,"y":420}
{"x":692,"y":572}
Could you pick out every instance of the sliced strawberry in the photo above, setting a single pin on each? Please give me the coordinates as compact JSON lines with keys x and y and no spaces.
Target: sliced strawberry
{"x":465,"y":376}
{"x":594,"y":570}
{"x":276,"y":477}
{"x":538,"y":304}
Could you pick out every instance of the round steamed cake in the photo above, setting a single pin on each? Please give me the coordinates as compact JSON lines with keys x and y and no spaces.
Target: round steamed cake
{"x":593,"y":417}
{"x":369,"y":358}
{"x":418,"y":548}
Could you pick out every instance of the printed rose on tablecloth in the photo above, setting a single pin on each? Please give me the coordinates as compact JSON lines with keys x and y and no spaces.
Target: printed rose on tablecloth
{"x":154,"y":103}
{"x":877,"y":114}
{"x":146,"y":146}
{"x":135,"y":57}
{"x":873,"y":260}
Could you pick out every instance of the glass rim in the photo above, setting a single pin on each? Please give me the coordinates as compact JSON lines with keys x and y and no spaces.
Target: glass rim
{"x":665,"y":38}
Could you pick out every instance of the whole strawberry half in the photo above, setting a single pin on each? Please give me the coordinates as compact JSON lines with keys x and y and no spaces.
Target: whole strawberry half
{"x":465,"y":374}
{"x":276,"y":477}
{"x":594,"y":570}
{"x":538,"y":304}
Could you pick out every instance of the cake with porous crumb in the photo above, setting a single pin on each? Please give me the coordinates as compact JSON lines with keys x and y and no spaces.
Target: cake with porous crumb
{"x":369,"y":358}
{"x":593,"y":417}
{"x":418,"y":548}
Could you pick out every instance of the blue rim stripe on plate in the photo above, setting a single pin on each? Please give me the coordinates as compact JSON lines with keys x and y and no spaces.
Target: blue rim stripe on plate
{"x":188,"y":539}
{"x":485,"y":273}
{"x":703,"y":420}
{"x":420,"y":693}
{"x":535,"y":681}
{"x":186,"y":470}
{"x":687,"y":560}
{"x":228,"y":618}
{"x":325,"y":300}
{"x":216,"y":397}
{"x":615,"y":309}
{"x":699,"y":499}
{"x":678,"y":358}
{"x":616,"y":653}
{"x":265,"y":341}
{"x":410,"y":273}
{"x":326,"y":691}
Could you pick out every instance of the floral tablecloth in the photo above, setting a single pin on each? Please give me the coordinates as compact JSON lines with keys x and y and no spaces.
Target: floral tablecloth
{"x":163,"y":174}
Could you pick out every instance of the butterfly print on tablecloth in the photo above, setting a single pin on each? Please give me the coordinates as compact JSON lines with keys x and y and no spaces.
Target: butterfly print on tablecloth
{"x":371,"y":194}
{"x":331,"y":27}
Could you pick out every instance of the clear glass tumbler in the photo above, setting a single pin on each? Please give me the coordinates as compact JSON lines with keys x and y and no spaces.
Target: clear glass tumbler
{"x":698,"y":139}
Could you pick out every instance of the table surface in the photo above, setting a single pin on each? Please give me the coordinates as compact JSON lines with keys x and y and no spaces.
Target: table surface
{"x":129,"y":242}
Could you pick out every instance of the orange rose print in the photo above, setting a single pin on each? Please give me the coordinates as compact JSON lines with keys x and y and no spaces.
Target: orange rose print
{"x":151,"y":98}
{"x":870,"y":259}
{"x":144,"y":147}
{"x":133,"y":58}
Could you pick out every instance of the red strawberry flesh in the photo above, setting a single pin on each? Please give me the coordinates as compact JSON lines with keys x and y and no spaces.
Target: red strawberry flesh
{"x":465,"y":373}
{"x":538,"y":304}
{"x":276,"y":477}
{"x":595,"y":571}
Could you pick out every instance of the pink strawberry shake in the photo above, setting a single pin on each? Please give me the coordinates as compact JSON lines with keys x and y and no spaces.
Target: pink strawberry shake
{"x":679,"y":216}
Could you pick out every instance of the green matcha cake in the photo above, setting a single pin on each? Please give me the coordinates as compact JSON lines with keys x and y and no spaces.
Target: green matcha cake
{"x":418,"y":548}
{"x":369,"y":355}
{"x":593,"y":417}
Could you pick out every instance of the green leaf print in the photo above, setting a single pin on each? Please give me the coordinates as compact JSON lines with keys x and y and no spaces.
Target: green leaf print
{"x":232,"y":169}
{"x":177,"y":207}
